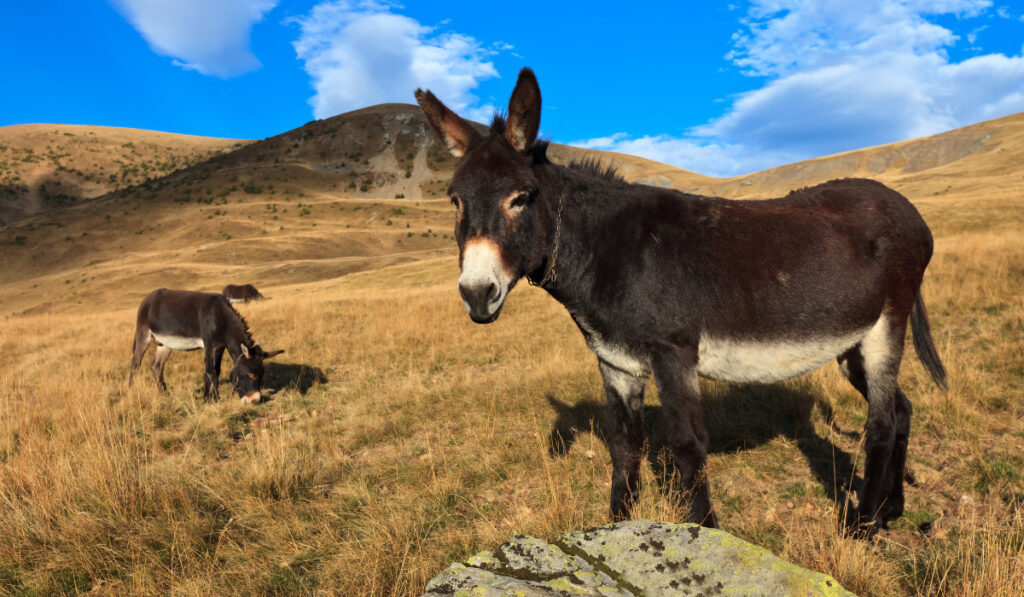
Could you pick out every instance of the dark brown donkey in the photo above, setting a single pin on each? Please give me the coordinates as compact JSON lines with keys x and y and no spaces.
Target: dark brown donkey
{"x":187,"y":320}
{"x":679,"y":286}
{"x":241,"y":293}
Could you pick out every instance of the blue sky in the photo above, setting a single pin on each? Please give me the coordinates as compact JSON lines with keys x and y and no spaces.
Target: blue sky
{"x":719,"y":88}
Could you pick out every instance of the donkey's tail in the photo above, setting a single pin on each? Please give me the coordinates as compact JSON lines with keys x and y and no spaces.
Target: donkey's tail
{"x":924,"y":345}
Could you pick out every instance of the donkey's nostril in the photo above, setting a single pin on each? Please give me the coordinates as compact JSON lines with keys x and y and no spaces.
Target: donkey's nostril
{"x":482,"y":299}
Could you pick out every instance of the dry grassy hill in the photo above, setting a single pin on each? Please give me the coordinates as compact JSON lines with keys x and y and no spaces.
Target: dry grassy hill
{"x":301,"y":206}
{"x":51,"y":166}
{"x":356,"y":191}
{"x":400,"y":436}
{"x":929,"y":166}
{"x":362,"y":189}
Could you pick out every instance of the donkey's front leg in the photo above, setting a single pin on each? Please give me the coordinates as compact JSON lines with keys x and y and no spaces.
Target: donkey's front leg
{"x":675,"y":372}
{"x":211,"y":379}
{"x":159,"y":362}
{"x":625,"y":428}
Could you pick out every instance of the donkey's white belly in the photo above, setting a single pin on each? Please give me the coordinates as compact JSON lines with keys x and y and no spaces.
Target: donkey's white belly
{"x":179,"y":342}
{"x":752,"y":361}
{"x":766,"y":362}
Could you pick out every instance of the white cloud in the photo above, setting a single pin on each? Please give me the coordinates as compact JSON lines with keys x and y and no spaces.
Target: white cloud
{"x":211,"y":37}
{"x":839,"y":80}
{"x":972,"y":37}
{"x":788,"y":36}
{"x":698,"y":155}
{"x":363,"y":54}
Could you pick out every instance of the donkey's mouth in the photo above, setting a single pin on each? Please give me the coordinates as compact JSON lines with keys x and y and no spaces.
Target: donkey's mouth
{"x":485,"y":317}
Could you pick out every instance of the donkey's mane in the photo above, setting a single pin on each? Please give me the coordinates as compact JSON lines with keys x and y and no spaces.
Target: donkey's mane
{"x":498,"y":123}
{"x":539,"y":150}
{"x":245,"y":324}
{"x":593,"y":166}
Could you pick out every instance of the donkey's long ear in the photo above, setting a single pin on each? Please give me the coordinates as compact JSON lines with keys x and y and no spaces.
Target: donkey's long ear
{"x":453,"y":130}
{"x":523,"y":112}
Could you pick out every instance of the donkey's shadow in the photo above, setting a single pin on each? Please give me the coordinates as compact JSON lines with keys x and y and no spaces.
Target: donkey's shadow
{"x":737,"y":417}
{"x":282,"y":376}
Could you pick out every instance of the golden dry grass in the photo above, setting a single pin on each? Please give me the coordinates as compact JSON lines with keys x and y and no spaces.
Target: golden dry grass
{"x":432,"y":437}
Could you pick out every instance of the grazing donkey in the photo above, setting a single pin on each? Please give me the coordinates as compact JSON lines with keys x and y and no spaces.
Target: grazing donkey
{"x":241,"y":293}
{"x":186,"y":320}
{"x":679,"y":286}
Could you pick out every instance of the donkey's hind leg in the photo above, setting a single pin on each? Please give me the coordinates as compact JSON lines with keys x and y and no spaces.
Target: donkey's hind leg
{"x":139,"y":347}
{"x":895,"y":473}
{"x":625,"y":394}
{"x":159,"y":361}
{"x":872,"y":368}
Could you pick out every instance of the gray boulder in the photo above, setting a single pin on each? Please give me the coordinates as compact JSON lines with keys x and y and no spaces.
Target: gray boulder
{"x":631,"y":558}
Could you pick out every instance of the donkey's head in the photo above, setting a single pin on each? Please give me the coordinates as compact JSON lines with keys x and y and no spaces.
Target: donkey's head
{"x":502,"y":234}
{"x":247,"y":374}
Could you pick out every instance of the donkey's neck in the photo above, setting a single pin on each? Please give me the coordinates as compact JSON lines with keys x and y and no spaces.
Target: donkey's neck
{"x":569,"y":266}
{"x":237,"y":332}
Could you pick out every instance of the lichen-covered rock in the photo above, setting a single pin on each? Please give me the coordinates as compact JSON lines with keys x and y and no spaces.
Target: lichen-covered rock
{"x":631,"y":558}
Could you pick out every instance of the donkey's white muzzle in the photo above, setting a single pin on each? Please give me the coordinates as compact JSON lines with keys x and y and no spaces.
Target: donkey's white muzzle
{"x":483,"y":284}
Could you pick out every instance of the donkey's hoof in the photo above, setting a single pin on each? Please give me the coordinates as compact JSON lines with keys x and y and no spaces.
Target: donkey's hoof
{"x":865,"y":527}
{"x":890,"y":510}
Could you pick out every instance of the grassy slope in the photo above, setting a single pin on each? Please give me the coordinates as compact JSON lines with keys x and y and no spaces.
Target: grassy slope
{"x":50,"y":166}
{"x":432,"y":437}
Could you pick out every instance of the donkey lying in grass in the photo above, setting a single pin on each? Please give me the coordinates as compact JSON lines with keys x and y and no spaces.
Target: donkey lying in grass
{"x":679,"y":286}
{"x":186,"y":320}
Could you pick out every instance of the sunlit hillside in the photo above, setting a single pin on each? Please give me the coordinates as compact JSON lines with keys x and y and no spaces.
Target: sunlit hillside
{"x":400,"y":436}
{"x":49,"y":166}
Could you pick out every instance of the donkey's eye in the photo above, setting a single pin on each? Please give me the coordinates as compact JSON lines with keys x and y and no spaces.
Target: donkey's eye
{"x":519,"y":200}
{"x":455,"y":200}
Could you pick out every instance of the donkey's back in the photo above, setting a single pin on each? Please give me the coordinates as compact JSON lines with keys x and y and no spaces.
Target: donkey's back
{"x":823,"y":259}
{"x":178,"y":317}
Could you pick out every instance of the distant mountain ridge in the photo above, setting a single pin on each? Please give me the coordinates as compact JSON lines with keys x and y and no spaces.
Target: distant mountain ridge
{"x":388,"y":151}
{"x":979,"y":147}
